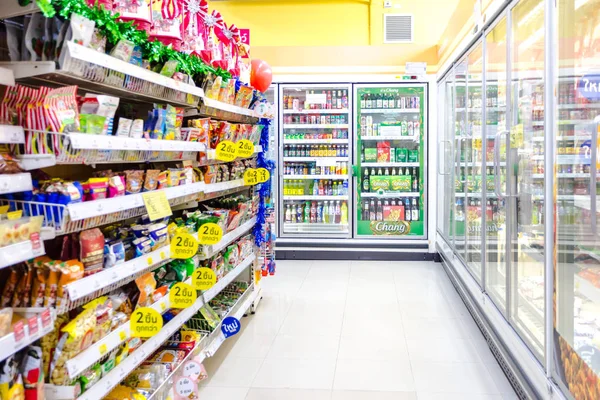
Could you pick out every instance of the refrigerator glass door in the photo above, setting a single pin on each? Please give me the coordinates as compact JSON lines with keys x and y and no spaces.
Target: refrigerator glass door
{"x":461,"y":156}
{"x":526,"y":177}
{"x":315,"y":153}
{"x":390,"y":156}
{"x":577,"y":288}
{"x":495,"y":164}
{"x":444,"y":162}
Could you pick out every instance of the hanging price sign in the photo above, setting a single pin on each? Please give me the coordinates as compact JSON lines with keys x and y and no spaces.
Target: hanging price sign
{"x":145,"y":322}
{"x":226,"y":151}
{"x":245,"y":148}
{"x":263,"y":175}
{"x":182,"y":295}
{"x":209,"y":234}
{"x":183,"y":246}
{"x":157,"y":205}
{"x":204,"y":278}
{"x":250,"y":177}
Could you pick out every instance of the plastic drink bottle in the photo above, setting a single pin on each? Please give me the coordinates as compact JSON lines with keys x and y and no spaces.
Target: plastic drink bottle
{"x":344,"y":212}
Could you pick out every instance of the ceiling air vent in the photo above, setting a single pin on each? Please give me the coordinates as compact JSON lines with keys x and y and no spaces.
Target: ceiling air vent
{"x":397,"y":28}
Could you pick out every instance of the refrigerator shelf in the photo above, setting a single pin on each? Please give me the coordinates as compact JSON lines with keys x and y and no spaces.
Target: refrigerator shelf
{"x":390,"y":195}
{"x":389,"y":137}
{"x":559,"y":138}
{"x":308,"y":227}
{"x":316,"y":126}
{"x":587,"y":289}
{"x":567,"y":122}
{"x":316,"y":141}
{"x":316,"y":159}
{"x":332,"y":177}
{"x":390,"y":110}
{"x":390,"y":164}
{"x":319,"y":111}
{"x":317,"y":197}
{"x":563,"y":175}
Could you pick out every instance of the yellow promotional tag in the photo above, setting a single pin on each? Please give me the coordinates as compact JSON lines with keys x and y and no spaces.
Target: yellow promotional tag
{"x":103,"y":349}
{"x":210,"y":234}
{"x":250,"y":177}
{"x":157,"y":205}
{"x":245,"y":148}
{"x":183,"y":246}
{"x":263,"y":175}
{"x":226,"y":151}
{"x":204,"y":278}
{"x":122,"y":336}
{"x":145,"y":322}
{"x":182,"y":295}
{"x":15,"y":214}
{"x":3,"y":209}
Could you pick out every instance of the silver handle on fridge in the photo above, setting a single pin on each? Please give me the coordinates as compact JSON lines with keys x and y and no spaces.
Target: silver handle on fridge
{"x":440,"y":171}
{"x":594,"y":179}
{"x":497,"y":185}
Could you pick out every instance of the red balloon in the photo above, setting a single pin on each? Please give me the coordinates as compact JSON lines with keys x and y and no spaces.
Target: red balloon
{"x":261,"y":75}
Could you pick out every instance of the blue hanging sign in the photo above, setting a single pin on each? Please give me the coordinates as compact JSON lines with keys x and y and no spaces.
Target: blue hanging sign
{"x":230,"y":326}
{"x":589,"y":87}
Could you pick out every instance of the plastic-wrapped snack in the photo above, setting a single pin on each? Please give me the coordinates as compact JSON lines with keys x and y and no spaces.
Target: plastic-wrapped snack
{"x":214,"y":136}
{"x":158,"y":233}
{"x":114,"y":253}
{"x":5,"y":321}
{"x":210,"y":316}
{"x":146,"y":284}
{"x":143,"y":246}
{"x":134,"y":181}
{"x":91,"y":250}
{"x":49,"y":342}
{"x":246,"y":247}
{"x":243,"y":97}
{"x":90,"y":377}
{"x":151,"y":182}
{"x":232,"y":257}
{"x":124,"y":393}
{"x":255,"y":134}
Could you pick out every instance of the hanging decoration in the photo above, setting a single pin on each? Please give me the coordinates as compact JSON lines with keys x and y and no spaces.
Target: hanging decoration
{"x":167,"y":18}
{"x":137,"y":11}
{"x":261,"y":75}
{"x":264,"y":191}
{"x":193,"y":26}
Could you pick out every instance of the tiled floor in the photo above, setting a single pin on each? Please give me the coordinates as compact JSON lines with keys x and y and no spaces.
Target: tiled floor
{"x":357,"y":330}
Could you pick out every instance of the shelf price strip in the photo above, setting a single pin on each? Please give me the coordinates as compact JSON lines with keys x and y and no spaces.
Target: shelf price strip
{"x":182,"y":295}
{"x":204,"y":278}
{"x":210,"y":234}
{"x":250,"y":177}
{"x":226,"y":151}
{"x":245,"y":148}
{"x":145,"y":322}
{"x":183,"y":246}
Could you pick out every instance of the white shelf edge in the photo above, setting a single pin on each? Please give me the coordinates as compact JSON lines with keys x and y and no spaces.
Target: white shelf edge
{"x":315,"y":141}
{"x":109,"y":142}
{"x":390,"y":137}
{"x":15,"y":183}
{"x":390,"y":195}
{"x":316,"y":159}
{"x":228,"y":107}
{"x":390,"y":110}
{"x":316,"y":126}
{"x":8,"y":344}
{"x":319,"y":111}
{"x":10,"y":133}
{"x":218,"y":187}
{"x":390,"y":164}
{"x":310,"y":197}
{"x":229,"y":238}
{"x":227,"y":279}
{"x":328,"y":177}
{"x":16,"y":253}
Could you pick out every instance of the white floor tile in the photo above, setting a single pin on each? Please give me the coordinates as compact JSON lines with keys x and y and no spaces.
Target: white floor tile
{"x":312,"y":324}
{"x":295,"y":374}
{"x":469,"y":378}
{"x":305,"y":347}
{"x":391,"y":376}
{"x":435,"y":328}
{"x":252,"y":345}
{"x":366,"y":347}
{"x":485,"y":354}
{"x":222,"y":393}
{"x":500,"y":379}
{"x":426,"y":309}
{"x":234,"y":372}
{"x":442,"y":350}
{"x":371,"y":395}
{"x":287,"y":394}
{"x":456,"y":396}
{"x":269,"y":324}
{"x":316,"y":305}
{"x":379,"y":321}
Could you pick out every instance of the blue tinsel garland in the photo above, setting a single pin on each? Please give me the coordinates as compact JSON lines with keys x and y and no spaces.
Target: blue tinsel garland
{"x":265,"y":188}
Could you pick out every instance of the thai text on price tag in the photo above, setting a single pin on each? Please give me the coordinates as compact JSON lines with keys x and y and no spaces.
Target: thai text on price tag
{"x":230,"y":326}
{"x":245,"y":148}
{"x":185,"y":387}
{"x":210,"y":233}
{"x":226,"y":151}
{"x":263,"y":175}
{"x":183,"y":246}
{"x":204,"y":278}
{"x":145,"y":322}
{"x":182,"y":295}
{"x":157,"y":205}
{"x":250,"y":177}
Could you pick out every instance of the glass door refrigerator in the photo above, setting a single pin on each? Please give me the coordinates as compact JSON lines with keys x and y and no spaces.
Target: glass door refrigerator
{"x":315,"y":153}
{"x":390,"y":122}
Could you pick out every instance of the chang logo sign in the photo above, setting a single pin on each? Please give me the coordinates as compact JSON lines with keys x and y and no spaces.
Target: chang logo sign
{"x":390,"y":227}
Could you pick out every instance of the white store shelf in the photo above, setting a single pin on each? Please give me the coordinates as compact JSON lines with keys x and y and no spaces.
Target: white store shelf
{"x":229,"y":238}
{"x":227,"y":279}
{"x":15,"y":183}
{"x":315,"y":141}
{"x":212,"y":154}
{"x":308,"y":227}
{"x":42,"y":319}
{"x":11,"y":134}
{"x":389,"y":195}
{"x":587,"y":289}
{"x":16,"y":253}
{"x":228,"y":107}
{"x":390,"y":110}
{"x":319,"y":111}
{"x":389,"y":137}
{"x":317,"y":197}
{"x":328,"y":177}
{"x":316,"y":159}
{"x":316,"y":126}
{"x":390,"y":164}
{"x":218,"y":187}
{"x":109,"y":142}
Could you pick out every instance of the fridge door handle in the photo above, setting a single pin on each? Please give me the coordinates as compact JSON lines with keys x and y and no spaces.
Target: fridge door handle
{"x":497,"y":186}
{"x":594,"y":179}
{"x":442,"y":150}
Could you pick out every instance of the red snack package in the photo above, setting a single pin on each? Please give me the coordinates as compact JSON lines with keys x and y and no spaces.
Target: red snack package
{"x":91,"y":250}
{"x":62,"y":111}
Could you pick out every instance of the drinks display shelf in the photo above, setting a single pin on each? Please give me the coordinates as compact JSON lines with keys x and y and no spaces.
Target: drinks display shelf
{"x":414,"y":138}
{"x":315,"y":141}
{"x":316,"y":159}
{"x":98,"y":72}
{"x":389,"y":164}
{"x":389,"y":195}
{"x":561,"y":138}
{"x":314,"y":197}
{"x":40,"y":323}
{"x":478,"y":164}
{"x":15,"y":183}
{"x":23,"y":251}
{"x":309,"y":227}
{"x":12,"y":134}
{"x":390,"y":110}
{"x":567,"y":122}
{"x":319,"y":111}
{"x":329,"y":177}
{"x":316,"y":126}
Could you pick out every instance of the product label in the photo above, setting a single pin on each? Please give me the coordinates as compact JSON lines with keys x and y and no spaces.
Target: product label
{"x":182,"y":295}
{"x":589,"y":87}
{"x":263,"y":175}
{"x":245,"y":148}
{"x":145,"y":322}
{"x":183,"y":246}
{"x":184,"y":387}
{"x":230,"y":326}
{"x":390,"y":227}
{"x":210,"y":234}
{"x":157,"y":205}
{"x":400,"y":183}
{"x":204,"y":278}
{"x":380,"y":183}
{"x":226,"y":151}
{"x":33,"y":325}
{"x":250,"y":177}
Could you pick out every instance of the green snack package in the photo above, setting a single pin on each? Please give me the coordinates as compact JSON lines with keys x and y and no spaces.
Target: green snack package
{"x":91,"y":123}
{"x":380,"y":183}
{"x":413,"y":156}
{"x":401,"y":155}
{"x":400,"y":183}
{"x":370,"y":154}
{"x":169,"y":68}
{"x":210,"y":316}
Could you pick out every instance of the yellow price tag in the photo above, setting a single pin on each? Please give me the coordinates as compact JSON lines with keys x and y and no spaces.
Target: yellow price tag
{"x":162,"y":255}
{"x":182,"y":295}
{"x":103,"y":349}
{"x":263,"y":175}
{"x":245,"y":148}
{"x":204,"y":278}
{"x":15,"y":214}
{"x":183,"y":246}
{"x":157,"y":205}
{"x":250,"y":177}
{"x":150,"y":261}
{"x":226,"y":151}
{"x":122,"y":336}
{"x":145,"y":322}
{"x":163,"y":306}
{"x":3,"y":209}
{"x":209,"y":234}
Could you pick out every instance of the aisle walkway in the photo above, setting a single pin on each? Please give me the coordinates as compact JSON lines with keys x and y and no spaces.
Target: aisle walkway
{"x":340,"y":330}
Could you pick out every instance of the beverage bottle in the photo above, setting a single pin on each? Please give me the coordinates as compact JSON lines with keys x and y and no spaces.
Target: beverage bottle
{"x":286,"y":190}
{"x":334,"y":100}
{"x":379,"y":215}
{"x":415,"y":181}
{"x":368,"y":101}
{"x":321,"y":189}
{"x":387,"y":171}
{"x":344,"y":168}
{"x":337,"y":215}
{"x":384,"y":102}
{"x":334,"y":188}
{"x":372,"y":211}
{"x":344,"y":213}
{"x":339,"y":100}
{"x":326,"y":212}
{"x":299,"y":213}
{"x":313,"y":212}
{"x":394,"y":171}
{"x":345,"y":188}
{"x":307,"y":212}
{"x":372,"y":172}
{"x":319,"y":212}
{"x":365,"y":216}
{"x":329,"y":99}
{"x":329,"y":189}
{"x":344,"y":99}
{"x":379,"y":171}
{"x":338,"y":168}
{"x":415,"y":210}
{"x":288,"y":213}
{"x":407,"y":210}
{"x":363,"y":102}
{"x":315,"y":188}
